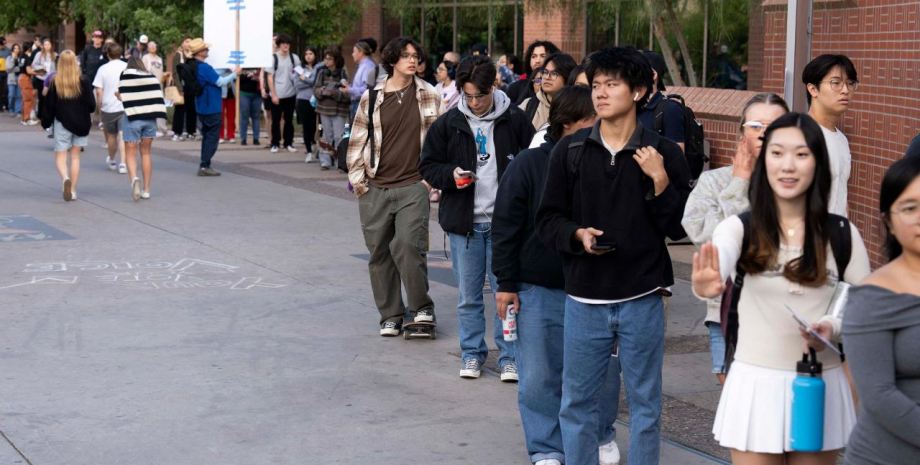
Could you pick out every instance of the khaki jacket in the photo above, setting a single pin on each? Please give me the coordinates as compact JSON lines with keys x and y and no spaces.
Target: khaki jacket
{"x":359,"y":150}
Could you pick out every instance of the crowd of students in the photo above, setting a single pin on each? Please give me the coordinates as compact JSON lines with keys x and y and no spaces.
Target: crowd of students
{"x":560,"y":188}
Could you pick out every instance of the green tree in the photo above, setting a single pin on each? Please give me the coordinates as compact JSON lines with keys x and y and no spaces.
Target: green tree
{"x":318,"y":22}
{"x":29,"y":13}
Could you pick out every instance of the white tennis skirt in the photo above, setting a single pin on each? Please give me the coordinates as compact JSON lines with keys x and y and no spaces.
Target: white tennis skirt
{"x":755,"y":409}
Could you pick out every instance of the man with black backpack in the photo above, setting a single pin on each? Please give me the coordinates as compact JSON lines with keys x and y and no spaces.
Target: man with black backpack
{"x":207,"y":97}
{"x":282,"y":92}
{"x":672,"y":119}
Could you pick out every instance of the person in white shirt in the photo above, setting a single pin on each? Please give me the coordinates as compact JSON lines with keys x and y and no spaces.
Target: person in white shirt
{"x":831,"y":81}
{"x":106,"y":85}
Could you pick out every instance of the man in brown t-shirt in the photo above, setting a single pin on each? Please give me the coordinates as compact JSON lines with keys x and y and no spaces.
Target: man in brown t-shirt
{"x":392,"y":198}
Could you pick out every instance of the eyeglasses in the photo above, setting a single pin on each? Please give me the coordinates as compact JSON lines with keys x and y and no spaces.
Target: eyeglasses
{"x":550,"y":75}
{"x":909,"y":215}
{"x":406,"y":56}
{"x":537,"y":81}
{"x":470,"y":98}
{"x":754,"y":126}
{"x":442,"y":69}
{"x":837,"y":85}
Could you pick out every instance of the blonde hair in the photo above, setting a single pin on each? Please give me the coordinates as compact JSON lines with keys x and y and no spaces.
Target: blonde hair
{"x":67,"y":80}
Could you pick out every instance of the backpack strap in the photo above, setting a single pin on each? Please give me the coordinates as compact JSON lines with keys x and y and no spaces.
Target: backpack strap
{"x":659,"y":114}
{"x":533,"y":104}
{"x":841,"y":242}
{"x":371,"y":103}
{"x":573,"y":159}
{"x":731,"y":331}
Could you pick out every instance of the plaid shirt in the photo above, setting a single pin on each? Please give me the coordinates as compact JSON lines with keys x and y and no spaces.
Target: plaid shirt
{"x":359,"y":152}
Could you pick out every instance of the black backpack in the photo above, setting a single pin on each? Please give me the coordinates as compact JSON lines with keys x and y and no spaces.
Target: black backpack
{"x":531,"y":109}
{"x":838,"y":229}
{"x":693,"y":134}
{"x":188,"y":74}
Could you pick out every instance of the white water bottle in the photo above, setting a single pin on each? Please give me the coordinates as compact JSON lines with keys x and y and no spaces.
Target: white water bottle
{"x":509,"y":324}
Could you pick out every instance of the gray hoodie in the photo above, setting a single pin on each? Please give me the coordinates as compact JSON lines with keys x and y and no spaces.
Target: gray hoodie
{"x":486,"y":184}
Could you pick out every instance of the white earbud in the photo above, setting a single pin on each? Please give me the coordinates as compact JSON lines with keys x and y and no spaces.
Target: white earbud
{"x":636,"y":98}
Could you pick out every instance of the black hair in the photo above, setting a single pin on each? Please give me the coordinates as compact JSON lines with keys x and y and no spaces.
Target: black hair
{"x":514,"y":63}
{"x":626,"y":64}
{"x":564,"y":64}
{"x":336,"y":54}
{"x":570,"y":105}
{"x":316,"y":59}
{"x":394,"y":48}
{"x":817,"y":69}
{"x":573,"y":76}
{"x":477,"y":70}
{"x":364,"y":47}
{"x":550,"y":49}
{"x":451,"y":69}
{"x":900,"y":175}
{"x":372,"y":42}
{"x":283,"y":39}
{"x":810,"y":269}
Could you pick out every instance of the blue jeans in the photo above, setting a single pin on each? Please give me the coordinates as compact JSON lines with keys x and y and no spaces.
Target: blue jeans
{"x":250,"y":108}
{"x":716,"y":347}
{"x":472,"y":262}
{"x":638,"y":326}
{"x":539,"y":355}
{"x":355,"y":104}
{"x":210,"y":133}
{"x":14,"y":99}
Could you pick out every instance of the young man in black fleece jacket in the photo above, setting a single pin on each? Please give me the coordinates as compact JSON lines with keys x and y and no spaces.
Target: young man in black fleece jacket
{"x":530,"y":277}
{"x":482,"y":135}
{"x":612,"y":194}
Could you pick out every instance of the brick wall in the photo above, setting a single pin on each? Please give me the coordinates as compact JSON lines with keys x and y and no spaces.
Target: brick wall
{"x":883,"y":40}
{"x":755,"y":62}
{"x":369,"y":26}
{"x":566,"y":29}
{"x":720,"y":112}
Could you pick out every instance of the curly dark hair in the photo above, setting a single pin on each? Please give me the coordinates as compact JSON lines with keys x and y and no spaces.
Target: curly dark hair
{"x":336,"y":54}
{"x":627,"y":64}
{"x":478,"y":70}
{"x":550,"y":48}
{"x":391,"y":52}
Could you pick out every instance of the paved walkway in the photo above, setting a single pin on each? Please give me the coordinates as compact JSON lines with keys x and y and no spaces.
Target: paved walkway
{"x":229,"y":321}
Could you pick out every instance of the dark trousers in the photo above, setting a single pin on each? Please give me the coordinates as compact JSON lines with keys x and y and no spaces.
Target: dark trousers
{"x":185,"y":119}
{"x":306,"y":114}
{"x":285,"y":106}
{"x":4,"y":93}
{"x":210,"y":133}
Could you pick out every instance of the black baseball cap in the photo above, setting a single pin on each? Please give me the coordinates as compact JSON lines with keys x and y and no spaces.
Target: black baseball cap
{"x":658,"y":65}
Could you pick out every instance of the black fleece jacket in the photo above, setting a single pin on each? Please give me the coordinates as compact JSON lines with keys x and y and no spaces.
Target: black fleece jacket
{"x":612,"y":194}
{"x":450,"y":143}
{"x":518,"y":255}
{"x":76,"y":114}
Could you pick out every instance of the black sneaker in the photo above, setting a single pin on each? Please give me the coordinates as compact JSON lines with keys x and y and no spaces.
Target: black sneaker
{"x":389,"y":329}
{"x":424,"y":316}
{"x":256,"y":142}
{"x":243,"y":142}
{"x":207,"y":172}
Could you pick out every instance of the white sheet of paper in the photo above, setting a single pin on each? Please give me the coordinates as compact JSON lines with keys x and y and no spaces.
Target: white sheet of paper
{"x":298,"y":70}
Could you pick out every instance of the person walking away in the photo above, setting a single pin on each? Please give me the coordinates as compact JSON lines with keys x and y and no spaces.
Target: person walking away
{"x":830,"y":82}
{"x":530,"y":278}
{"x":392,"y":197}
{"x":556,"y":70}
{"x":613,"y":193}
{"x":208,"y":103}
{"x":185,"y":118}
{"x":365,"y":77}
{"x":91,"y":59}
{"x":69,"y":107}
{"x":228,"y":114}
{"x":13,"y":70}
{"x":881,"y":328}
{"x":283,"y":93}
{"x":722,"y":193}
{"x":477,"y":140}
{"x":332,"y":103}
{"x":26,"y":91}
{"x":154,"y":65}
{"x":142,"y":96}
{"x":113,"y":112}
{"x":306,"y":114}
{"x":250,"y":104}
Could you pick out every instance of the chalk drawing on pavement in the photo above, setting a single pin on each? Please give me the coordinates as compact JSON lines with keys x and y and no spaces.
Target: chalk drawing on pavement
{"x":24,"y":228}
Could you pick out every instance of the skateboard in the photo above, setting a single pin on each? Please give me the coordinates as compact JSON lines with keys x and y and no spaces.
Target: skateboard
{"x":420,"y":330}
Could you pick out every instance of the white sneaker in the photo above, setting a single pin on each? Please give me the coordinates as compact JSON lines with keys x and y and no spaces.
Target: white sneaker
{"x":170,"y":133}
{"x":232,"y":140}
{"x":145,"y":195}
{"x":73,"y":195}
{"x":105,"y":145}
{"x":136,"y":189}
{"x":122,"y":169}
{"x":424,"y":316}
{"x":548,"y":462}
{"x":509,"y":373}
{"x":609,"y":454}
{"x":389,"y":329}
{"x":471,"y":369}
{"x":111,"y":163}
{"x":159,"y":134}
{"x":290,"y":148}
{"x":274,"y":149}
{"x":310,"y":158}
{"x":221,"y":141}
{"x":32,"y":122}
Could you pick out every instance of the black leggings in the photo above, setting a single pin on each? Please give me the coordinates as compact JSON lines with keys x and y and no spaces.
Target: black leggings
{"x":306,"y":114}
{"x":185,"y":117}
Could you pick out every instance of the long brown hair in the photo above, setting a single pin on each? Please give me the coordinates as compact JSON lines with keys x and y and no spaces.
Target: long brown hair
{"x":67,"y":78}
{"x":810,"y":269}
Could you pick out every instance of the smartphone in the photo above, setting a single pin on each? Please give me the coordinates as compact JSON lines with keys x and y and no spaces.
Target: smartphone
{"x":600,"y":247}
{"x":344,"y":82}
{"x":467,"y":174}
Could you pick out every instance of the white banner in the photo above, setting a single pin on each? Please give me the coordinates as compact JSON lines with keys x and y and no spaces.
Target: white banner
{"x":256,"y":24}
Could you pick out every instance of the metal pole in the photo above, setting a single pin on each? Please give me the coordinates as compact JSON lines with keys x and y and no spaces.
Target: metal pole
{"x":616,"y":28}
{"x":236,"y":93}
{"x":798,"y":51}
{"x":705,"y":41}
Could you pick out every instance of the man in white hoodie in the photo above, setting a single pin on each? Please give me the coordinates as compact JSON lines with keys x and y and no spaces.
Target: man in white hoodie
{"x":465,"y":154}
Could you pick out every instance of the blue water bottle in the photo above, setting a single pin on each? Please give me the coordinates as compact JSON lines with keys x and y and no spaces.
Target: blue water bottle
{"x":807,"y":432}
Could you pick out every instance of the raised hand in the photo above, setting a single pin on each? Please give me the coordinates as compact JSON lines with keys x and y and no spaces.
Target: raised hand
{"x":706,"y":277}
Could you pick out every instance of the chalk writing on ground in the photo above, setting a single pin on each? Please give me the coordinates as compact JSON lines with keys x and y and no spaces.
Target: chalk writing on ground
{"x":186,"y":273}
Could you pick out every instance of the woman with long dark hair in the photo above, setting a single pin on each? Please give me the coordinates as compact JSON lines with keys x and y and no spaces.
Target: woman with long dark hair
{"x":881,"y":329}
{"x":306,"y":114}
{"x":789,"y":262}
{"x":27,"y":116}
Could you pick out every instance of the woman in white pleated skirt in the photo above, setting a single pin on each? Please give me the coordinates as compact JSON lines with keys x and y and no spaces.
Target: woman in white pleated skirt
{"x":788,"y":262}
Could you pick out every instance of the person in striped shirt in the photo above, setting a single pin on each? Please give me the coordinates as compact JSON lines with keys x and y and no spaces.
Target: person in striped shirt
{"x":141,"y":94}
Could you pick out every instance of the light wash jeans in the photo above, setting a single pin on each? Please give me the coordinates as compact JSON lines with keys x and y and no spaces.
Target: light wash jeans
{"x":14,"y":99}
{"x":638,"y":326}
{"x":538,"y":351}
{"x":472,"y":262}
{"x":250,"y":109}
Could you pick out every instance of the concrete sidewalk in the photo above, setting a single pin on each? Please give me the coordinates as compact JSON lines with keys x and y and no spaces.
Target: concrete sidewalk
{"x":229,"y":321}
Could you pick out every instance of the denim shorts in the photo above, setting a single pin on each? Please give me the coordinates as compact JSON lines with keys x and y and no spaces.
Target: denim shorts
{"x":716,"y":347}
{"x":64,"y":139}
{"x":134,"y":131}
